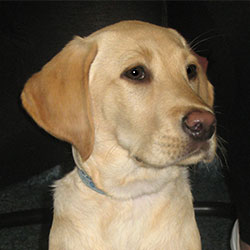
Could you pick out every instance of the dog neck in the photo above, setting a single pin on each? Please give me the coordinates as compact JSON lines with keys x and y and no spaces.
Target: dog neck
{"x":87,"y":180}
{"x":126,"y":180}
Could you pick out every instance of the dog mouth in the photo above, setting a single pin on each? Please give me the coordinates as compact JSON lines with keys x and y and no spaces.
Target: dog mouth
{"x":198,"y":151}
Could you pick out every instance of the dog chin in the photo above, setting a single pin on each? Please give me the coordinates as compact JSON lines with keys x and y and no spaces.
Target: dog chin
{"x":198,"y":155}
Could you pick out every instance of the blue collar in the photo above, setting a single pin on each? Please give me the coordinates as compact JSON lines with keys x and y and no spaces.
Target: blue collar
{"x":87,"y":180}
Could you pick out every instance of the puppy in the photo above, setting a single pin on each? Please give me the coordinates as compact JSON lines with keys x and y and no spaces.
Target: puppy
{"x":136,"y":105}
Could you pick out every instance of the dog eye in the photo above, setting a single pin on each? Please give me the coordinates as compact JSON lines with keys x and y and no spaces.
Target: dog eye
{"x":191,"y":71}
{"x":137,"y":73}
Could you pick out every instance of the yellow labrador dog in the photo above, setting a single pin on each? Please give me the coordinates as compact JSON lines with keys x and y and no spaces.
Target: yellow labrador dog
{"x":136,"y":105}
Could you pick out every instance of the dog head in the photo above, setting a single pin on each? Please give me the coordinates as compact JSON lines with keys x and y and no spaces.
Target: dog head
{"x":133,"y":83}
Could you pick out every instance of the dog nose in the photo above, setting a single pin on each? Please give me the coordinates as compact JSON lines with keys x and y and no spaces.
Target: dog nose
{"x":199,"y":125}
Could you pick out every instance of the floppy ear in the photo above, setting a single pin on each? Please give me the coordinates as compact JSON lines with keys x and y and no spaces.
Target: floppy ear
{"x":206,"y":89}
{"x":57,"y":97}
{"x":209,"y":94}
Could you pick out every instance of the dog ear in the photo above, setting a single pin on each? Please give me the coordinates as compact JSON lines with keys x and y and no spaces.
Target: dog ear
{"x":206,"y":90}
{"x":57,"y":97}
{"x":210,"y":94}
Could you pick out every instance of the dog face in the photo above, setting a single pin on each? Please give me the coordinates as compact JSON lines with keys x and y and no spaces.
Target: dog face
{"x":134,"y":83}
{"x":149,"y":87}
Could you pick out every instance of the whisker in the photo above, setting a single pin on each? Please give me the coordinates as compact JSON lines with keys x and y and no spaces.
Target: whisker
{"x":200,"y":51}
{"x":199,"y":36}
{"x":222,"y":150}
{"x":194,"y":44}
{"x":199,"y":42}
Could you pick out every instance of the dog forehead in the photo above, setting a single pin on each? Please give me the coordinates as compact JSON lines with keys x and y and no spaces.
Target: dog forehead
{"x":128,"y":34}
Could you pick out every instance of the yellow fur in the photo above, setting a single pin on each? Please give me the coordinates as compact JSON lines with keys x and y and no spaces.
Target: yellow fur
{"x":126,"y":135}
